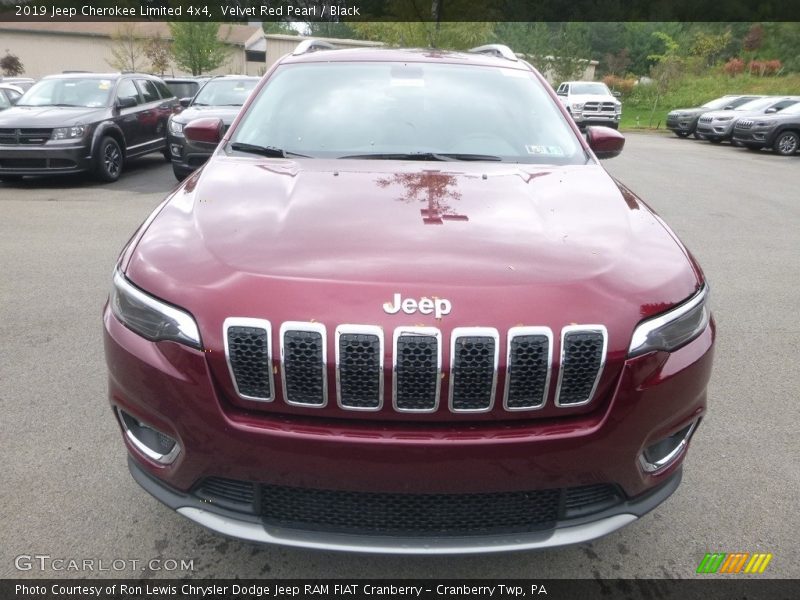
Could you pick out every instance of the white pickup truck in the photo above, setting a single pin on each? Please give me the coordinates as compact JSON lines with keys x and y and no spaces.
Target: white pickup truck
{"x":590,"y":103}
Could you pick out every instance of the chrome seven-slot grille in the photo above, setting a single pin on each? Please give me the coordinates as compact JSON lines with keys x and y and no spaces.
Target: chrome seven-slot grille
{"x":417,"y":373}
{"x":599,"y":107}
{"x":744,"y":124}
{"x":705,"y":119}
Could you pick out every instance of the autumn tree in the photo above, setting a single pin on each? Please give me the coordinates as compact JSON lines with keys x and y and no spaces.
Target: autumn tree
{"x":157,"y":51}
{"x":196,"y":47}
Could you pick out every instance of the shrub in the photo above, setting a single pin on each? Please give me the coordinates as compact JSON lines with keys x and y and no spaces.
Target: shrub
{"x":624,"y":86}
{"x":764,"y":67}
{"x":734,"y":66}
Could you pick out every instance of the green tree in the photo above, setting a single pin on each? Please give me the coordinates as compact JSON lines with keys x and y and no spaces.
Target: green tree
{"x":197,"y":48}
{"x":667,"y":68}
{"x":410,"y":34}
{"x":278,"y":27}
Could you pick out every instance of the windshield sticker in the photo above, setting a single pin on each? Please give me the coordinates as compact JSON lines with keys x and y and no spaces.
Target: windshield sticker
{"x":105,"y":84}
{"x":545,"y":150}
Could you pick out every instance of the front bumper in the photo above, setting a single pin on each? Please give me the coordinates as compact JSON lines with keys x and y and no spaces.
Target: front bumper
{"x":170,"y":388}
{"x":252,"y":529}
{"x":716,"y":130}
{"x":682,"y":124}
{"x":45,"y":160}
{"x":186,"y":157}
{"x":596,"y":118}
{"x":755,"y":136}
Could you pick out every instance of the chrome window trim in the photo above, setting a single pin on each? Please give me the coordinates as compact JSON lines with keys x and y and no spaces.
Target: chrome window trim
{"x":581,"y":329}
{"x":659,"y":465}
{"x":254,"y":323}
{"x":162,"y":459}
{"x":421,"y":331}
{"x":522,"y":331}
{"x":363,"y":330}
{"x":473,"y":332}
{"x":316,"y":328}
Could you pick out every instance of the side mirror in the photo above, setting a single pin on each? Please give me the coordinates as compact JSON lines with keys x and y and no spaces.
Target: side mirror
{"x":729,"y":107}
{"x":126,"y":102}
{"x":616,"y":94}
{"x":604,"y":141}
{"x":770,"y":111}
{"x":205,"y":131}
{"x":184,"y":102}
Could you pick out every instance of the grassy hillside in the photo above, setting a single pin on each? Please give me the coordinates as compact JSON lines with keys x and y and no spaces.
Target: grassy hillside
{"x":694,"y":91}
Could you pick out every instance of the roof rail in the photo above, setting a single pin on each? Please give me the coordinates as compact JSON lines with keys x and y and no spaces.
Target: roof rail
{"x":307,"y":46}
{"x":498,"y":50}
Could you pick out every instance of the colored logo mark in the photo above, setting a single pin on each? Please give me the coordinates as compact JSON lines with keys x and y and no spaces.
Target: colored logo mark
{"x":737,"y":562}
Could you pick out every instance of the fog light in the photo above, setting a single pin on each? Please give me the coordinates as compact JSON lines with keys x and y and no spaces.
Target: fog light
{"x":175,"y":149}
{"x":664,"y":452}
{"x":155,"y":445}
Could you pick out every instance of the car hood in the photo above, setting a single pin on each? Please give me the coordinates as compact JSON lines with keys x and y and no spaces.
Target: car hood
{"x":226,"y":113}
{"x":50,"y":116}
{"x":689,"y":111}
{"x":736,"y":114}
{"x":593,"y":98}
{"x":333,"y":240}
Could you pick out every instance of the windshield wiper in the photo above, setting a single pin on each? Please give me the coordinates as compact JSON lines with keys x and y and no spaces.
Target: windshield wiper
{"x":439,"y":156}
{"x":270,"y":151}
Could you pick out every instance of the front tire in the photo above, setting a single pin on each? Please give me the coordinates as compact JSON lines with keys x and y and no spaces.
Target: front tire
{"x":180,"y":174}
{"x":109,"y":160}
{"x":786,"y":143}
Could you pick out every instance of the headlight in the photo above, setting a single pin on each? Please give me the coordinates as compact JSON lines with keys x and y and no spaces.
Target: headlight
{"x":149,"y":317}
{"x":175,"y":127}
{"x":769,"y":124}
{"x":67,"y":133}
{"x":674,"y":328}
{"x":577,"y":106}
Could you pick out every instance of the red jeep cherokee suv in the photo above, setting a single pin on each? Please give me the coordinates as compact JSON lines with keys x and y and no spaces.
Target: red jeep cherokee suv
{"x":403,"y":309}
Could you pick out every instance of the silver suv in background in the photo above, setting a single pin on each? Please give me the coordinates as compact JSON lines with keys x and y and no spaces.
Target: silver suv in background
{"x":590,"y":103}
{"x":717,"y":126}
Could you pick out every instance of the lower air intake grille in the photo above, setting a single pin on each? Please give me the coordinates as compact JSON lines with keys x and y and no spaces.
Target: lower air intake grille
{"x":410,"y":514}
{"x":528,"y":370}
{"x":221,"y":489}
{"x":359,"y":370}
{"x":417,"y":372}
{"x":473,"y":372}
{"x":249,"y":356}
{"x":582,"y":357}
{"x":303,"y":365}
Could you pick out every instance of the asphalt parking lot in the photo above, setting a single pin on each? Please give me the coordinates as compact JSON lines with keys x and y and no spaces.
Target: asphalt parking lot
{"x":65,"y":490}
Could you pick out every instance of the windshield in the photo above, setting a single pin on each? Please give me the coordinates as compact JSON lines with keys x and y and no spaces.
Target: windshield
{"x":183,"y":89}
{"x":590,"y":88}
{"x":225,"y":92}
{"x":758,"y":104}
{"x":377,"y":109}
{"x":89,"y":92}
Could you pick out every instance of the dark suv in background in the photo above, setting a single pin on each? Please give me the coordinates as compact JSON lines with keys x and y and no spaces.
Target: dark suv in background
{"x":78,"y":122}
{"x":220,"y":98}
{"x":780,"y":131}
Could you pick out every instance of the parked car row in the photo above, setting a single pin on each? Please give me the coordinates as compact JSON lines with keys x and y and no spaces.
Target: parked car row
{"x":94,"y":122}
{"x":754,"y":122}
